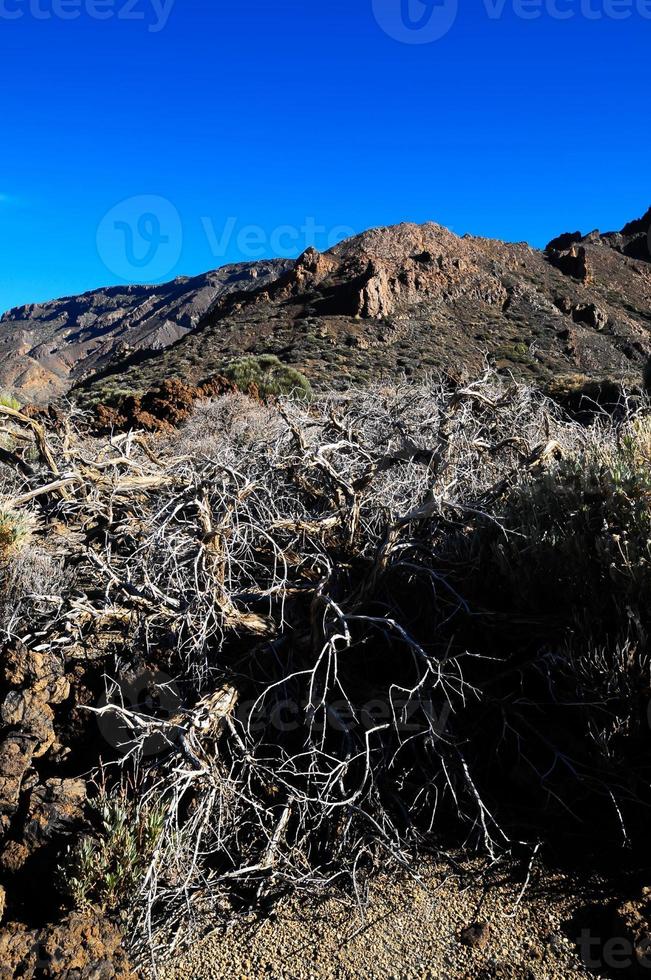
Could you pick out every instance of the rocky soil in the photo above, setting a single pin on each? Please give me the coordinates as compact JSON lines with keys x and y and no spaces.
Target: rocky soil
{"x":39,"y":812}
{"x":469,"y":922}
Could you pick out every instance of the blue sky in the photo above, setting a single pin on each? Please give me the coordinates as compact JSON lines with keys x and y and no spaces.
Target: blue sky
{"x":143,"y":139}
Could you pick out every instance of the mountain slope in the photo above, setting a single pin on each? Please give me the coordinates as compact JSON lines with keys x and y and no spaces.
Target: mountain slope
{"x":45,"y":348}
{"x":414,"y":298}
{"x":404,"y":299}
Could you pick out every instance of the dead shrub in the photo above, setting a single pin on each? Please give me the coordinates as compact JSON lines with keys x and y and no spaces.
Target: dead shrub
{"x":390,"y":616}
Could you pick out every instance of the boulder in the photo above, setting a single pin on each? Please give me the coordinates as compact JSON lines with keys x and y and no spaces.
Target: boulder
{"x":82,"y":947}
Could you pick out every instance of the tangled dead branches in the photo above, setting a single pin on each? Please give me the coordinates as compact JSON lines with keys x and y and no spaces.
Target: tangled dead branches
{"x":292,"y":576}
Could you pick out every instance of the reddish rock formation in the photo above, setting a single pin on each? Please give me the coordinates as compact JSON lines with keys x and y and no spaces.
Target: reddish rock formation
{"x":160,"y":409}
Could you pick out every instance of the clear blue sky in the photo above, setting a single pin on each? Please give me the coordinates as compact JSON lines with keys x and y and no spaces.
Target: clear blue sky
{"x":271,"y":113}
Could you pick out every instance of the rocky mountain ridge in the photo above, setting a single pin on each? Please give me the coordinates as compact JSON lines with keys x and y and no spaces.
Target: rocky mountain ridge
{"x":405,"y":299}
{"x":411,"y":299}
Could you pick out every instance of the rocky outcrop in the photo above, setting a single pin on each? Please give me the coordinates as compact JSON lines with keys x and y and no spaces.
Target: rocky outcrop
{"x":161,"y":409}
{"x":36,"y":810}
{"x":33,"y":683}
{"x":55,"y":808}
{"x":633,"y":240}
{"x":81,"y":947}
{"x":590,"y":313}
{"x":39,"y":815}
{"x":564,"y":242}
{"x":572,"y":262}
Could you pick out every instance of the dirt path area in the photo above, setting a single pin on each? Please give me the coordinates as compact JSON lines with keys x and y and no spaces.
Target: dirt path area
{"x":410,"y":930}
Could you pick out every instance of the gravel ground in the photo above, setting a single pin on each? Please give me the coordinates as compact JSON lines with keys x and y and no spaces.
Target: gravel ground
{"x":409,"y":930}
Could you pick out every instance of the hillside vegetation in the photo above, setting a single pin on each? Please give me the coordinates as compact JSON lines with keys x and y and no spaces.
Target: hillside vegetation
{"x":296,"y":641}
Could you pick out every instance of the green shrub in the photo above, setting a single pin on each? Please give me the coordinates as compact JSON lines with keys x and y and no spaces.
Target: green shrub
{"x":518,"y":353}
{"x":105,"y":871}
{"x":9,"y":401}
{"x":268,"y":374}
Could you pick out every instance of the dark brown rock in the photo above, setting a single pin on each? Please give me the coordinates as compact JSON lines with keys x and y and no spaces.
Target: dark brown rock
{"x":476,"y":935}
{"x":54,"y":809}
{"x":13,"y":857}
{"x":591,"y":314}
{"x":160,"y":409}
{"x":35,"y":680}
{"x":564,"y":241}
{"x":82,"y":947}
{"x":19,"y":952}
{"x":41,"y":671}
{"x":573,"y":262}
{"x":16,"y":754}
{"x":29,"y":711}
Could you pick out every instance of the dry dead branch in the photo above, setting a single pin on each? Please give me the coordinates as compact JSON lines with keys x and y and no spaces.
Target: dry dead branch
{"x":289,"y":560}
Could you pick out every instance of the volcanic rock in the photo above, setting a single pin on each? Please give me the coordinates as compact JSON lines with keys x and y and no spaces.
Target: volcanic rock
{"x":82,"y":947}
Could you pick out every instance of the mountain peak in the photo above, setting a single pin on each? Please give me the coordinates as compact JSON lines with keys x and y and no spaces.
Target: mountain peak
{"x":401,"y":299}
{"x":639,"y":226}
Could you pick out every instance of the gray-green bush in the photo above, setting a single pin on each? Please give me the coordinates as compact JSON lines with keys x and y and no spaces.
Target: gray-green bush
{"x":268,"y":375}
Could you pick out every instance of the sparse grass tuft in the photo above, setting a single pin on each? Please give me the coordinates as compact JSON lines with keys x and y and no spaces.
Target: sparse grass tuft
{"x":16,"y":529}
{"x":9,"y":401}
